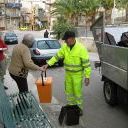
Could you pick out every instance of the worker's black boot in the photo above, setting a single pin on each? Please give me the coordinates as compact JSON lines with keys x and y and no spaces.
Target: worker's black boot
{"x":81,"y":112}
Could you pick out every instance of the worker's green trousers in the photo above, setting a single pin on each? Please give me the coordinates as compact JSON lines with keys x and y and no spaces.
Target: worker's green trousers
{"x":73,"y":88}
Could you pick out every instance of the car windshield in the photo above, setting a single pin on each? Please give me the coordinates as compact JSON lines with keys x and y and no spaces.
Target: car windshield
{"x":48,"y":44}
{"x":42,"y":45}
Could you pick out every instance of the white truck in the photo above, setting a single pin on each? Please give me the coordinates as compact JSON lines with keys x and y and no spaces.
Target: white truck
{"x":113,"y":63}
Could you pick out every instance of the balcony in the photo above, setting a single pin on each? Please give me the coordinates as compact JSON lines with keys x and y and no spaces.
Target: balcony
{"x":13,"y":5}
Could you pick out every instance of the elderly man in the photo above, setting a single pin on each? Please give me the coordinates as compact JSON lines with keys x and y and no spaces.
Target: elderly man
{"x":21,"y":62}
{"x":77,"y":67}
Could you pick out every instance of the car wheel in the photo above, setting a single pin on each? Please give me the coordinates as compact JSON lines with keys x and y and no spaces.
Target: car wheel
{"x":6,"y":42}
{"x":110,"y":93}
{"x":16,"y":42}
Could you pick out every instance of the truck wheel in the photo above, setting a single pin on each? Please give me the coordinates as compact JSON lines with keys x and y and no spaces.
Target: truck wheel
{"x":110,"y":93}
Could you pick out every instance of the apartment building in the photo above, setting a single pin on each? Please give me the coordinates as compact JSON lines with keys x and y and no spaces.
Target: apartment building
{"x":2,"y":15}
{"x":9,"y":14}
{"x":13,"y":13}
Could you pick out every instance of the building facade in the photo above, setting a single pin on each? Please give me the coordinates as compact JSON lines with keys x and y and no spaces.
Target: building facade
{"x":10,"y":14}
{"x":33,"y":14}
{"x":2,"y":14}
{"x":13,"y":13}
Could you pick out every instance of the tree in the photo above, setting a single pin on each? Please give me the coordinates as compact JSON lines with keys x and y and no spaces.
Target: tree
{"x":63,"y":8}
{"x":107,"y":4}
{"x":72,"y":9}
{"x":61,"y":26}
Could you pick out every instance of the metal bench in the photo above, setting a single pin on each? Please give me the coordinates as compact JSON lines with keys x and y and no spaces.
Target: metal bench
{"x":21,"y":111}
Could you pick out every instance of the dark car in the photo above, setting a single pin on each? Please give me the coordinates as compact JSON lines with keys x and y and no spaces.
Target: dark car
{"x":10,"y":38}
{"x":44,"y":49}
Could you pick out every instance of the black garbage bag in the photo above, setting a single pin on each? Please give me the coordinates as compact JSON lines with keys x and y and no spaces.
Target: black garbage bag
{"x":69,"y":115}
{"x":109,"y":39}
{"x":123,"y":43}
{"x":124,"y":36}
{"x":124,"y":40}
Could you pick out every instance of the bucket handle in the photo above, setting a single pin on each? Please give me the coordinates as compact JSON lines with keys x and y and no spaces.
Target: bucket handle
{"x":42,"y":74}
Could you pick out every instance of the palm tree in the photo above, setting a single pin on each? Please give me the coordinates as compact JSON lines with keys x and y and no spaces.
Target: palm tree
{"x":108,"y":6}
{"x":70,"y":10}
{"x":60,"y":26}
{"x":89,"y":7}
{"x":63,"y":8}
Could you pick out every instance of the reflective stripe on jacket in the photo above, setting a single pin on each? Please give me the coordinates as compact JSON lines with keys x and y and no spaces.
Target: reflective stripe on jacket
{"x":75,"y":60}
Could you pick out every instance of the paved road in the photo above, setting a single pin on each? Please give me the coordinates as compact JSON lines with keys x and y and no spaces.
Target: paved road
{"x":97,"y":114}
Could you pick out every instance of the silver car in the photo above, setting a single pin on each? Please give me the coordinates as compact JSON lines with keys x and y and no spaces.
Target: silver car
{"x":43,"y":49}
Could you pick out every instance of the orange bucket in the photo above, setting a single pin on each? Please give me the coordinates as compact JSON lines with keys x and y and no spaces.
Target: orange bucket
{"x":44,"y":88}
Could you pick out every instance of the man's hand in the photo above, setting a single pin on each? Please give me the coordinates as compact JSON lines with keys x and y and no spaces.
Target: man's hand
{"x":43,"y":68}
{"x":87,"y":81}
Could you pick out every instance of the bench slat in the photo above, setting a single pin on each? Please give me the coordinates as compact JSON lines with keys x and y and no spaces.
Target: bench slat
{"x":21,"y":110}
{"x":6,"y":110}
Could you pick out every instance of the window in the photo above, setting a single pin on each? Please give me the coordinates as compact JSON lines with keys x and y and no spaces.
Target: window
{"x":42,"y":45}
{"x":53,"y":44}
{"x":48,"y":44}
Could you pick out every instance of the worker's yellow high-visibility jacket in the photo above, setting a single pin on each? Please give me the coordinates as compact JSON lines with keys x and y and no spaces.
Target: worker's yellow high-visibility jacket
{"x":77,"y":66}
{"x":75,"y":60}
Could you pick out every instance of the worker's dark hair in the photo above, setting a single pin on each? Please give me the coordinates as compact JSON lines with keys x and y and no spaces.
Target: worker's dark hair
{"x":68,"y":34}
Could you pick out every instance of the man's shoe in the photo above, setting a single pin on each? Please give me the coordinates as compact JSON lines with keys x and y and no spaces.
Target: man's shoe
{"x":5,"y":87}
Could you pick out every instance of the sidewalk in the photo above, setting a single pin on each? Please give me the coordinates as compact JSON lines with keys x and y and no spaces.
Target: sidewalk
{"x":52,"y":109}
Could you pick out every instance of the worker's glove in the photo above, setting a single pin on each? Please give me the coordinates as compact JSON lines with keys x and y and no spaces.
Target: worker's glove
{"x":87,"y":81}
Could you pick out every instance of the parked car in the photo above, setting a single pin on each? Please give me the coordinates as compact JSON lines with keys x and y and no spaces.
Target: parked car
{"x":43,"y":49}
{"x":10,"y":38}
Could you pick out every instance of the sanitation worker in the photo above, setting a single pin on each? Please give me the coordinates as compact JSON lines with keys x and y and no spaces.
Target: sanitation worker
{"x":76,"y":65}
